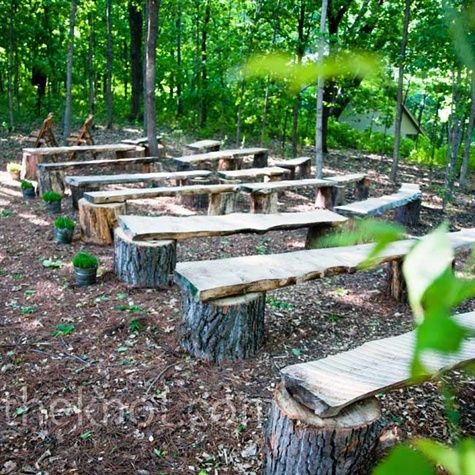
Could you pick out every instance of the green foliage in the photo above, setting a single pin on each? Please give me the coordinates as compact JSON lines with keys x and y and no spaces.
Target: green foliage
{"x":26,"y":185}
{"x":13,"y":167}
{"x":85,"y":260}
{"x":63,"y":329}
{"x":51,"y":196}
{"x":64,"y":222}
{"x":135,"y":325}
{"x":51,"y":263}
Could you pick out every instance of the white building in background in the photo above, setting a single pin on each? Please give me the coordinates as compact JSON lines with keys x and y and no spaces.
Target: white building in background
{"x":374,"y":120}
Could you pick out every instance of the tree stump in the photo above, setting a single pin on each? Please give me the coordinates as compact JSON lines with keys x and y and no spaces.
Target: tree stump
{"x":260,"y":159}
{"x":28,"y":165}
{"x":229,"y":163}
{"x":338,"y":195}
{"x":408,"y":214}
{"x":305,"y":170}
{"x":264,"y":203}
{"x":316,"y":233}
{"x":362,"y":189}
{"x":222,"y":203}
{"x":50,"y":181}
{"x":98,"y":222}
{"x":324,"y":198}
{"x":146,"y":264}
{"x":299,"y":442}
{"x":77,"y":192}
{"x":396,"y":285}
{"x":223,"y":329}
{"x":199,"y":201}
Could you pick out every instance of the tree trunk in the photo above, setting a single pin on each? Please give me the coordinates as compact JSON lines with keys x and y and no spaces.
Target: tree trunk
{"x":109,"y":54}
{"x":264,"y":203}
{"x":320,"y":85}
{"x":152,"y":33}
{"x":136,"y":65}
{"x":203,"y":115}
{"x":146,"y":264}
{"x":408,"y":214}
{"x":400,"y":84}
{"x":396,"y":285}
{"x":11,"y":49}
{"x":468,"y":137}
{"x":90,"y":65}
{"x":179,"y":68}
{"x":69,"y":71}
{"x":224,"y":329}
{"x":299,"y":442}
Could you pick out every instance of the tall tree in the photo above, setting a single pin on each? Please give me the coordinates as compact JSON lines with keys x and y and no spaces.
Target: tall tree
{"x":468,"y":136}
{"x":153,"y":10}
{"x":69,"y":70}
{"x":11,"y":49}
{"x":179,"y":66}
{"x":90,"y":65}
{"x":320,"y":86}
{"x":203,"y":111}
{"x":109,"y":57}
{"x":136,"y":66}
{"x":400,"y":93}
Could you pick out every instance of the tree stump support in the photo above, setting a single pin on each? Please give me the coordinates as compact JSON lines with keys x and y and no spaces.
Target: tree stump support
{"x":222,"y":203}
{"x":98,"y":222}
{"x":223,"y":329}
{"x":229,"y":163}
{"x":264,"y":203}
{"x":396,"y":285}
{"x":147,"y":264}
{"x":50,"y":181}
{"x":324,"y":198}
{"x":260,"y":159}
{"x":199,"y":201}
{"x":316,"y":233}
{"x":28,"y":165}
{"x":77,"y":192}
{"x":409,"y":213}
{"x":299,"y":442}
{"x":362,"y":189}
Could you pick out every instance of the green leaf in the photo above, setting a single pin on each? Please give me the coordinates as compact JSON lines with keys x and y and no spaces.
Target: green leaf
{"x":63,"y":329}
{"x":122,"y":295}
{"x":87,"y":435}
{"x":404,"y":461}
{"x":296,"y":352}
{"x":440,"y":454}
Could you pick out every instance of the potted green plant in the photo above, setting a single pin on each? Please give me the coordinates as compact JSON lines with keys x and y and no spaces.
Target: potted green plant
{"x":27,"y":189}
{"x":63,"y":229}
{"x":14,"y":169}
{"x":53,"y":202}
{"x":85,"y":268}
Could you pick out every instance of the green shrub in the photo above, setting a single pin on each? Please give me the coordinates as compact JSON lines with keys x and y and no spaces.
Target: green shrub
{"x":13,"y":167}
{"x":85,"y":260}
{"x":51,"y":196}
{"x":64,"y":222}
{"x":26,"y":185}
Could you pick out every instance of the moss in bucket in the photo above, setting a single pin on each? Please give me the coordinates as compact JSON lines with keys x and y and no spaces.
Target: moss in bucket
{"x":85,"y":260}
{"x":51,"y":197}
{"x":64,"y":222}
{"x":26,"y":185}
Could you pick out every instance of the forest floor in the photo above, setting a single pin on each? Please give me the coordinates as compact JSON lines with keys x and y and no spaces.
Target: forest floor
{"x":121,"y":397}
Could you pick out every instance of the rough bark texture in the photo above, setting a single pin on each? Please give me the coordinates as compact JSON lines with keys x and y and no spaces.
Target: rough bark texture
{"x":50,"y":181}
{"x":226,"y":164}
{"x":143,"y":263}
{"x":362,"y":189}
{"x":324,"y":199}
{"x":264,"y":203}
{"x":260,"y":160}
{"x":97,"y":222}
{"x":77,"y":192}
{"x":396,"y":285}
{"x":408,"y":214}
{"x":222,"y":203}
{"x":299,"y":442}
{"x":199,"y":201}
{"x":224,"y":329}
{"x":316,"y":233}
{"x":28,"y":166}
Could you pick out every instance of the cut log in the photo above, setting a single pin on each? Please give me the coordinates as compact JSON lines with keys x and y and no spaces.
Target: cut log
{"x":316,"y":233}
{"x":408,"y":214}
{"x":229,"y":163}
{"x":50,"y":181}
{"x":77,"y":192}
{"x":98,"y":222}
{"x":303,"y":164}
{"x":199,"y":201}
{"x":396,"y":285}
{"x":362,"y":189}
{"x":222,"y":203}
{"x":260,"y":159}
{"x":28,"y":165}
{"x":264,"y":203}
{"x":299,"y":442}
{"x":224,"y":329}
{"x":325,"y":198}
{"x":146,"y":264}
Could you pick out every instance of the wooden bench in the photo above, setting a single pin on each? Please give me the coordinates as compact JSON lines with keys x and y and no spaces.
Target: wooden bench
{"x":33,"y":156}
{"x":324,"y":417}
{"x":231,"y":292}
{"x":45,"y":135}
{"x":82,"y":184}
{"x":268,"y":173}
{"x":302,"y":164}
{"x":145,"y":246}
{"x":203,"y":146}
{"x":227,"y":159}
{"x":143,"y":142}
{"x":406,"y":202}
{"x":51,"y":175}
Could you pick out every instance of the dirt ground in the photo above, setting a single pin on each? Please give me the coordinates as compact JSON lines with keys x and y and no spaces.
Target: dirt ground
{"x":111,"y":391}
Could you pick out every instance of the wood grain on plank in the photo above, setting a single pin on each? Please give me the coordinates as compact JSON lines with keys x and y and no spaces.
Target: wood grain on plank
{"x":284,"y":185}
{"x":293,"y":162}
{"x":328,"y":385}
{"x":252,"y":173}
{"x":80,"y":148}
{"x":97,"y":163}
{"x":350,"y":178}
{"x":232,"y":153}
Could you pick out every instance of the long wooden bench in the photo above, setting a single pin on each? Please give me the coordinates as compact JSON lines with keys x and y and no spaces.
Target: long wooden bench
{"x":82,"y":184}
{"x":324,"y":417}
{"x":145,"y":246}
{"x":32,"y":156}
{"x":204,"y":146}
{"x":301,"y":164}
{"x":231,"y":292}
{"x":51,"y":175}
{"x":269,"y":173}
{"x":143,"y":142}
{"x":406,"y":202}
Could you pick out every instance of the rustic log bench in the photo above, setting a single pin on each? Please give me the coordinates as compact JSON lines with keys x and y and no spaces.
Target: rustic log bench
{"x":143,"y":142}
{"x":32,"y":156}
{"x":145,"y":245}
{"x":51,"y":175}
{"x":268,"y":173}
{"x":406,"y":202}
{"x":302,"y":164}
{"x":204,"y":146}
{"x":227,"y":159}
{"x":231,"y":292}
{"x":324,"y":417}
{"x":81,"y":184}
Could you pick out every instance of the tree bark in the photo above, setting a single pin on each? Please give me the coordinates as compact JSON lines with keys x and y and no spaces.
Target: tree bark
{"x":396,"y":285}
{"x":400,"y":84}
{"x":203,"y":114}
{"x":152,"y":33}
{"x":179,"y":67}
{"x":136,"y":65}
{"x":264,"y":203}
{"x":224,"y":329}
{"x":69,"y":71}
{"x":10,"y":57}
{"x":109,"y":58}
{"x":90,"y":65}
{"x":468,"y":137}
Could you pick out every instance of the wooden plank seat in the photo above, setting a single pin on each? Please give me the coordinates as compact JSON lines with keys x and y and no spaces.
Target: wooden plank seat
{"x":203,"y":146}
{"x":227,"y":159}
{"x":359,"y":180}
{"x":134,"y":233}
{"x":330,"y":403}
{"x":301,"y":164}
{"x":406,"y":202}
{"x":32,"y":156}
{"x":143,"y":142}
{"x":231,"y":292}
{"x":51,"y":175}
{"x":81,"y":184}
{"x":268,"y":173}
{"x":45,"y":135}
